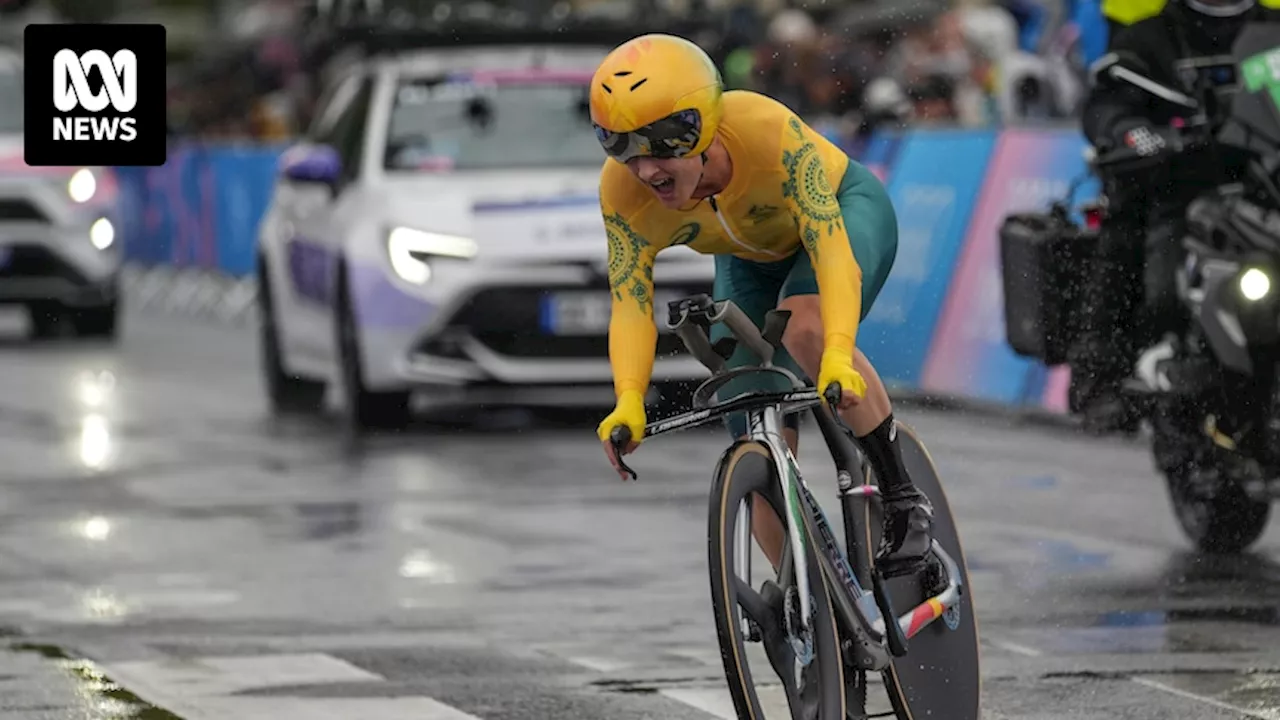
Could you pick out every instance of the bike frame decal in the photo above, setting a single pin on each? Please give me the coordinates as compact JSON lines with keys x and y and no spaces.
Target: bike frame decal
{"x":793,"y":499}
{"x":834,"y":552}
{"x":788,"y":476}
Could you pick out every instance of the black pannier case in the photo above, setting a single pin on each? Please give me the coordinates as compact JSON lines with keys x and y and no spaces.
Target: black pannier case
{"x":1044,"y":260}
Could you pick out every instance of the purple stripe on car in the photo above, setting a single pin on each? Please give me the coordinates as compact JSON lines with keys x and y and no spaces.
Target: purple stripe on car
{"x":380,"y":304}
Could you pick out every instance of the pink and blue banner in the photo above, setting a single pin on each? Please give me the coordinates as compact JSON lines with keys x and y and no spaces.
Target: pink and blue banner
{"x":969,"y":355}
{"x":880,"y":153}
{"x":934,"y":182}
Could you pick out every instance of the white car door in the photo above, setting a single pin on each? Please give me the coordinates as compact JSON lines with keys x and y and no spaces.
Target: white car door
{"x":311,"y":241}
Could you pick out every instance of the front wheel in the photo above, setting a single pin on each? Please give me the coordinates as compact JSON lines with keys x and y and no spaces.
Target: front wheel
{"x":98,"y":322}
{"x":1226,"y":522}
{"x":365,"y":409}
{"x":814,"y":692}
{"x":286,"y":393}
{"x":1215,"y":513}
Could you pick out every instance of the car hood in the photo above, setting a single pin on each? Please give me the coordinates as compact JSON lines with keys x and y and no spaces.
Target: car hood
{"x":545,"y":216}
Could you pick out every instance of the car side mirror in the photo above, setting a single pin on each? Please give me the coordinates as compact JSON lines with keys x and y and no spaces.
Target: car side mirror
{"x":312,"y":164}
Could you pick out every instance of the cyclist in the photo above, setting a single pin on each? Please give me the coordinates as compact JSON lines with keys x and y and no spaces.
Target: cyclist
{"x":739,"y":176}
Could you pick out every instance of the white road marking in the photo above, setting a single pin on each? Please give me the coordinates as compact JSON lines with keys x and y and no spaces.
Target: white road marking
{"x":221,"y":676}
{"x":718,"y":703}
{"x":1016,"y":648}
{"x":275,"y":708}
{"x":202,"y":689}
{"x":598,"y":664}
{"x":713,"y":701}
{"x":1157,"y":685}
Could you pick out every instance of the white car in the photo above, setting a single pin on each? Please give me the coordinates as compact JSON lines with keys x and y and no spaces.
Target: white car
{"x":438,"y":234}
{"x":59,"y":255}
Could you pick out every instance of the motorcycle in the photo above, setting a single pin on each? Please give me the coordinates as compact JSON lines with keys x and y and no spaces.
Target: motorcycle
{"x":1209,"y":392}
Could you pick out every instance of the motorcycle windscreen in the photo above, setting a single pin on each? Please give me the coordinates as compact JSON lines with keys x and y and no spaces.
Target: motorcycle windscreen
{"x":1254,"y":117}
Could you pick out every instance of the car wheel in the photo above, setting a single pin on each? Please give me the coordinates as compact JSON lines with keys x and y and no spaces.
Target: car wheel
{"x":97,"y":322}
{"x":364,"y":409}
{"x":48,"y":320}
{"x":286,"y":393}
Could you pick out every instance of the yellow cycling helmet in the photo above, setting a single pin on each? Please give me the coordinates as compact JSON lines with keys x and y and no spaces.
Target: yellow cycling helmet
{"x":657,"y":95}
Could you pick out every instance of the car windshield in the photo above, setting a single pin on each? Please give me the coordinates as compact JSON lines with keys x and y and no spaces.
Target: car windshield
{"x":10,"y":101}
{"x":491,"y":122}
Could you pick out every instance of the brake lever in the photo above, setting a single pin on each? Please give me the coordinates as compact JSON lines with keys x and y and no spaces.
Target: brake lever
{"x":832,"y":395}
{"x":620,"y":437}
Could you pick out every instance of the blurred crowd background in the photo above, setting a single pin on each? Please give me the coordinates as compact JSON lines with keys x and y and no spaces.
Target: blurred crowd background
{"x":250,"y":70}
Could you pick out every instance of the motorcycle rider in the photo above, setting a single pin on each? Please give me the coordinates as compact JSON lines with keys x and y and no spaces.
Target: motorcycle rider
{"x":1122,"y":13}
{"x":1127,"y":309}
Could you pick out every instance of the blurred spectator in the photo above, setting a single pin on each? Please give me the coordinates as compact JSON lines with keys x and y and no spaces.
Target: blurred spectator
{"x":971,"y":63}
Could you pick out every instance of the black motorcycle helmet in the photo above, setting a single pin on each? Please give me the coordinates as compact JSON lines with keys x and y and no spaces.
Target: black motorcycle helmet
{"x":1219,"y":8}
{"x":1211,"y":26}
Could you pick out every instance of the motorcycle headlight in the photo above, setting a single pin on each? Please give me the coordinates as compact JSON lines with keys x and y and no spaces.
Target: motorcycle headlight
{"x":82,"y":186}
{"x":1255,"y":284}
{"x":410,"y":249}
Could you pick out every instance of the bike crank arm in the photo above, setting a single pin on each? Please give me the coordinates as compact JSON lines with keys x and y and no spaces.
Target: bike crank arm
{"x":910,"y":624}
{"x":896,"y":638}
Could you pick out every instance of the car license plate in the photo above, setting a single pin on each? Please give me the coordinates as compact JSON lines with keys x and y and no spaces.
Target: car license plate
{"x":587,"y":313}
{"x":576,"y":313}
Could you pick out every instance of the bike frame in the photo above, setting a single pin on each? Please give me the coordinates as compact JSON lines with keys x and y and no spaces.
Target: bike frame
{"x":858,"y":609}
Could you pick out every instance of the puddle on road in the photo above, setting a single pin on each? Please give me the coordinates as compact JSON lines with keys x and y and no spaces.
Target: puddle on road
{"x":112,"y":701}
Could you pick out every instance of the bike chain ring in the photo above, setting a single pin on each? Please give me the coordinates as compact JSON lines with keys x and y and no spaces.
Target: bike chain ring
{"x":934,"y":580}
{"x":951,"y":616}
{"x":801,"y":640}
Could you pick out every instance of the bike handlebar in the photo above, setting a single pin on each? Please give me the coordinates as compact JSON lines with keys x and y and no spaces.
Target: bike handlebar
{"x":744,"y":330}
{"x":620,"y":437}
{"x":687,"y":318}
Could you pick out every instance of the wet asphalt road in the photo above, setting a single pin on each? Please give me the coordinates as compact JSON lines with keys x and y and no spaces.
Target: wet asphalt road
{"x":161,"y":535}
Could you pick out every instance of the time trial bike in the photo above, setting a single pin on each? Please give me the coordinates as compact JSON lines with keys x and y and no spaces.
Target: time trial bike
{"x":820,"y":619}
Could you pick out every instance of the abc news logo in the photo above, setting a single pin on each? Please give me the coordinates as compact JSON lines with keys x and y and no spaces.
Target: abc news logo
{"x":95,"y":97}
{"x":71,"y":91}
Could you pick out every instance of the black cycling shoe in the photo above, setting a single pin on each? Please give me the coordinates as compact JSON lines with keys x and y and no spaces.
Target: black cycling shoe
{"x":908,"y":535}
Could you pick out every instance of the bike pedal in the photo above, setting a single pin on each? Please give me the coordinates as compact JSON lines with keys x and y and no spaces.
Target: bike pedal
{"x":911,"y":568}
{"x":933,"y":577}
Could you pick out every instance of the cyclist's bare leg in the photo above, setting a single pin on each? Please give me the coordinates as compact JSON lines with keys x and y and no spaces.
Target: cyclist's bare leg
{"x":863,"y":418}
{"x":908,"y":516}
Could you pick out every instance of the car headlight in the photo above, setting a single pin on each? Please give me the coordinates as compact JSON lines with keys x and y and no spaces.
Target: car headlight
{"x":102,"y":233}
{"x":1255,"y":284}
{"x":82,"y":186}
{"x":409,"y":250}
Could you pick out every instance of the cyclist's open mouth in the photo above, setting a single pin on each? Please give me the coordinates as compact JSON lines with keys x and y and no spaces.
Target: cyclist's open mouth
{"x":664,"y":188}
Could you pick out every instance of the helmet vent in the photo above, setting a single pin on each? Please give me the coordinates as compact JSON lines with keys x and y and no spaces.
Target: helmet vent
{"x":622,"y":73}
{"x":607,"y":88}
{"x":638,"y":84}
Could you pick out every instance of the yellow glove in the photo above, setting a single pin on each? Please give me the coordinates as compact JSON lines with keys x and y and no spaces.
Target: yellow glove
{"x":837,"y":366}
{"x":629,"y":412}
